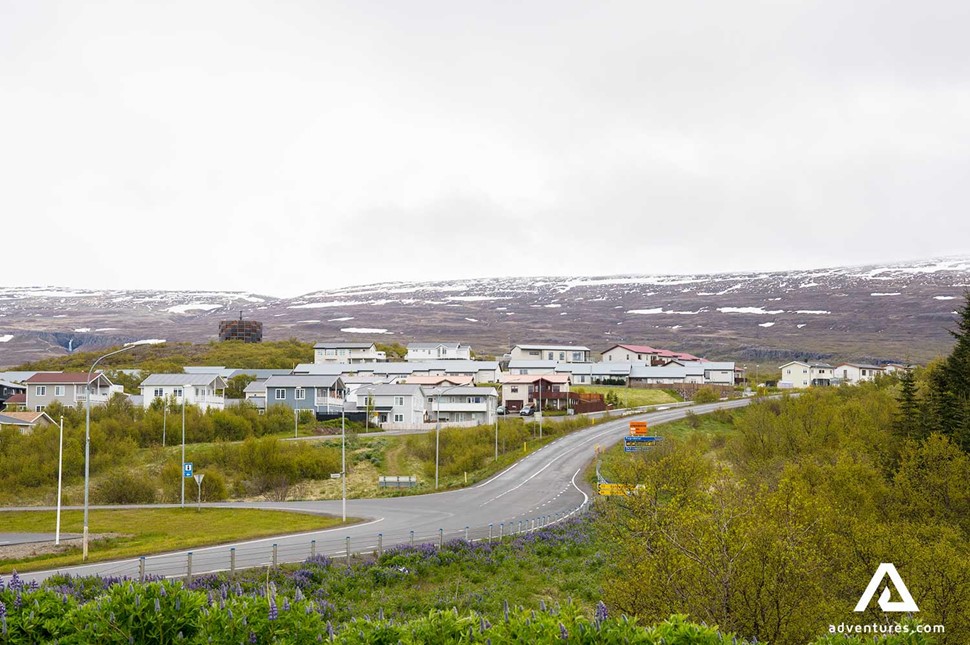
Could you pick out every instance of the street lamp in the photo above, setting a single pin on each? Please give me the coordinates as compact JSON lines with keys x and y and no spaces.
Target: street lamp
{"x":87,"y":440}
{"x":437,"y":429}
{"x":185,"y":390}
{"x":343,"y":461}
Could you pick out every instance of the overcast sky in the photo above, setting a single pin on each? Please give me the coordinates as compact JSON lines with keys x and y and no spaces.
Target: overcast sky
{"x":282,"y":148}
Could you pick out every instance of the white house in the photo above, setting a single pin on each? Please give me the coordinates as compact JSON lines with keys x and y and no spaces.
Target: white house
{"x":718,"y":373}
{"x":396,"y":407}
{"x":592,"y":373}
{"x":667,"y":374}
{"x":557,"y":353}
{"x":462,"y":404}
{"x":438,"y":352}
{"x":857,"y":372}
{"x":347,"y":353}
{"x":798,"y":374}
{"x":206,"y":391}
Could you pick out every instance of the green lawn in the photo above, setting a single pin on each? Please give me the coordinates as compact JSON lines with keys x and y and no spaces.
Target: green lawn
{"x":631,"y":397}
{"x":148,"y":531}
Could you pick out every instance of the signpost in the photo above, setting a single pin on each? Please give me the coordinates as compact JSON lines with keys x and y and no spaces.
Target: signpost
{"x":187,"y":469}
{"x":639,"y":428}
{"x":639,"y":444}
{"x":198,"y":480}
{"x":605,"y":488}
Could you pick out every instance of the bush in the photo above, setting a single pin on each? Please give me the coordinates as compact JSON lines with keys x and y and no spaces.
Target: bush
{"x":124,"y":487}
{"x":706,"y":395}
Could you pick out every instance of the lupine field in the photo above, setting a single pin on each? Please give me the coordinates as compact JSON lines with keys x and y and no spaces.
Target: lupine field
{"x":460,"y":593}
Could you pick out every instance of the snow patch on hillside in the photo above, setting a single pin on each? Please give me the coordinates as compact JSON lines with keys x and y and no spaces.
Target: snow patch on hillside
{"x":750,"y":310}
{"x":194,"y":306}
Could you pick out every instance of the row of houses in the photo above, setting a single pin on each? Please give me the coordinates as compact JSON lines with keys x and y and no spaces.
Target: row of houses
{"x":799,"y":374}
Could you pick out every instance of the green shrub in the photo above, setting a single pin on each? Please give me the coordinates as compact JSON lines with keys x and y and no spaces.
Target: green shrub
{"x":706,"y":395}
{"x":124,"y":487}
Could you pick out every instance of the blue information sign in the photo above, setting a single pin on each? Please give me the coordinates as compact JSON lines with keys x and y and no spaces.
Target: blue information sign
{"x":187,"y":469}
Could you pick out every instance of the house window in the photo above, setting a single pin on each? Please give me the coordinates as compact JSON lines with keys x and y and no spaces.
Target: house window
{"x":177,"y":392}
{"x":300,"y":394}
{"x":551,"y":354}
{"x":199,"y":392}
{"x":398,"y":400}
{"x":430,"y":399}
{"x":398,"y":418}
{"x":40,"y":390}
{"x":331,"y":352}
{"x":39,"y":408}
{"x":58,"y":390}
{"x":515,"y":389}
{"x":562,"y":356}
{"x":159,"y":392}
{"x":280,"y":394}
{"x":474,"y":399}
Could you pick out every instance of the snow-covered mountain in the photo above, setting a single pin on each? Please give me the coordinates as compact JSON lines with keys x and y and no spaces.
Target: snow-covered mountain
{"x":886,"y":312}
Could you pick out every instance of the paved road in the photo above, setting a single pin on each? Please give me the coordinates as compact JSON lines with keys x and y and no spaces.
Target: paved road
{"x":544,"y":487}
{"x":8,"y":539}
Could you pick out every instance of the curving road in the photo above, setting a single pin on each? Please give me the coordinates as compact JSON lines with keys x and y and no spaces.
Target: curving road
{"x":543,"y":487}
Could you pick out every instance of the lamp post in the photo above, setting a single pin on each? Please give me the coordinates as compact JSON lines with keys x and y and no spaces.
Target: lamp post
{"x":164,"y":418}
{"x":60,"y":472}
{"x":437,"y":429}
{"x":343,"y":464}
{"x":496,"y":428}
{"x":185,"y":390}
{"x":87,"y":443}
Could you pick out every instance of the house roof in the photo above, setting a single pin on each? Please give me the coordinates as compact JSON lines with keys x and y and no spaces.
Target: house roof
{"x":599,"y":369}
{"x":578,"y":348}
{"x":19,"y":397}
{"x":343,"y":345}
{"x":399,"y":389}
{"x":42,"y":378}
{"x":18,"y":386}
{"x":259,"y":374}
{"x":23,"y":418}
{"x":533,"y":364}
{"x":177,"y":380}
{"x":727,"y":366}
{"x":304,"y":380}
{"x":434,"y":380}
{"x":665,"y":371}
{"x":865,"y":366}
{"x":460,"y":391}
{"x":433,"y":345}
{"x":325,"y":368}
{"x":637,"y":349}
{"x":255,"y":387}
{"x":532,"y":378}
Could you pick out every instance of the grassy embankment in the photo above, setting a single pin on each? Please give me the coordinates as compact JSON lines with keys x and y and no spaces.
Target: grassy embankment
{"x":145,"y":531}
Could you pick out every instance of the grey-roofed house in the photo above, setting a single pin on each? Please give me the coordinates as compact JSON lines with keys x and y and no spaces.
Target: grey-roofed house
{"x":462,"y":405}
{"x":396,"y":407}
{"x":532,"y":366}
{"x":207,"y":391}
{"x":255,"y":388}
{"x":852,"y":373}
{"x":438,"y":352}
{"x":666,"y":374}
{"x":592,"y":373}
{"x":551,"y":352}
{"x":321,"y":393}
{"x":341,"y":352}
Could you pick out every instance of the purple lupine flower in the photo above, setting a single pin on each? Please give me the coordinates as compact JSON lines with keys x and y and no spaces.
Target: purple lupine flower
{"x":330,"y":630}
{"x":252,"y":637}
{"x":273,"y":611}
{"x":505,"y":609}
{"x":158,"y":606}
{"x":3,"y":609}
{"x":563,"y":632}
{"x":162,"y":592}
{"x":542,"y":605}
{"x":178,"y":603}
{"x":286,"y":604}
{"x":601,"y":613}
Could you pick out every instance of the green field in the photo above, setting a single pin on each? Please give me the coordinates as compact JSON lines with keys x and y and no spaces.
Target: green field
{"x":631,"y":397}
{"x":146,"y":531}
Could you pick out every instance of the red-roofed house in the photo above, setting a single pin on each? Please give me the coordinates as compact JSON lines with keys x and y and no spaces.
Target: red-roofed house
{"x":15,"y":401}
{"x":67,"y":388}
{"x":644,"y":354}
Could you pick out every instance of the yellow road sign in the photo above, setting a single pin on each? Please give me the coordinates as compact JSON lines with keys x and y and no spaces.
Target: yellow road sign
{"x":614,"y":489}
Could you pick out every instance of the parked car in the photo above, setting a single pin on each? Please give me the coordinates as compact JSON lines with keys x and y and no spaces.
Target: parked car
{"x":527,"y":411}
{"x":500,"y":409}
